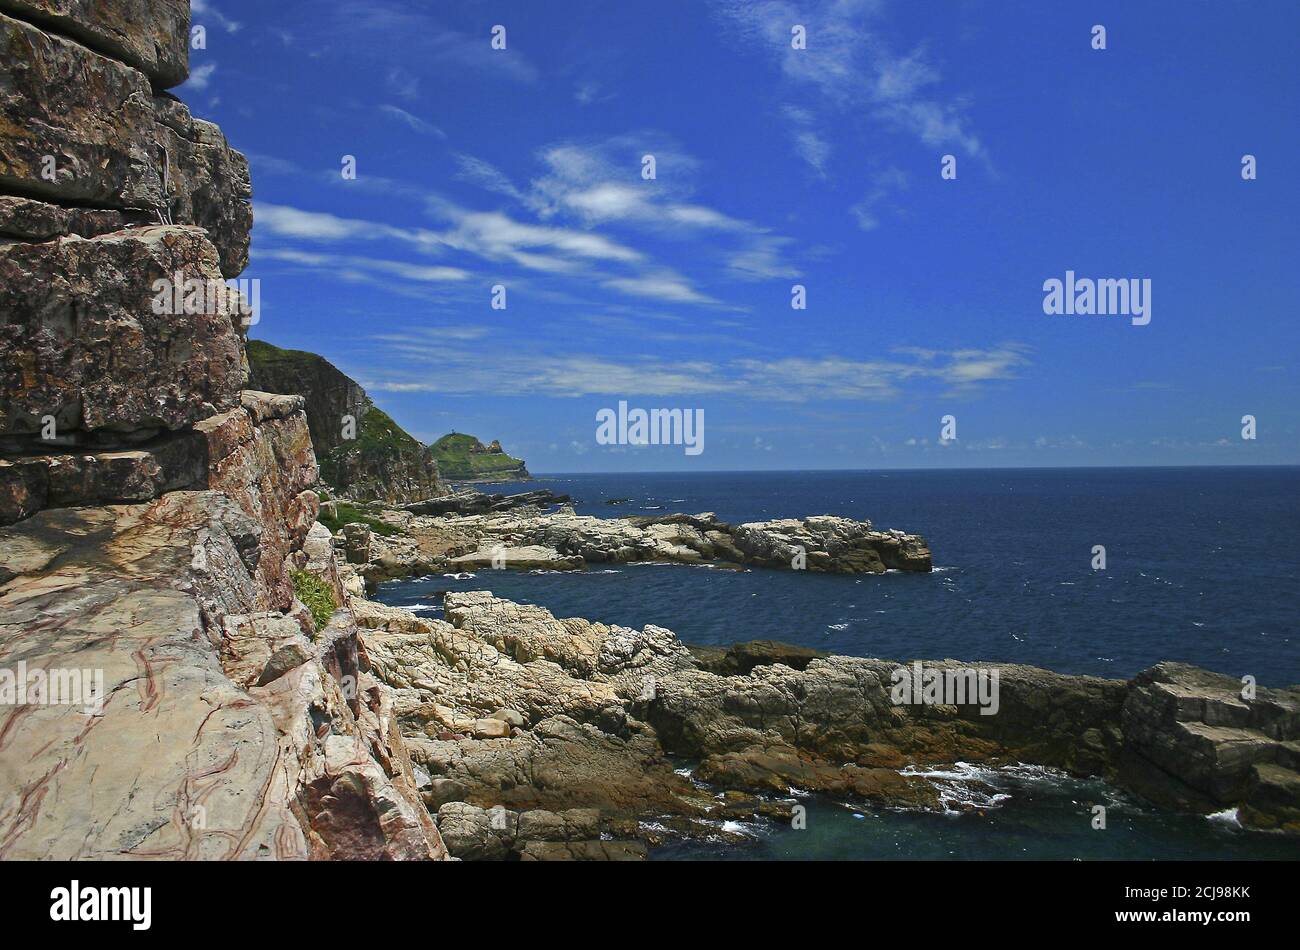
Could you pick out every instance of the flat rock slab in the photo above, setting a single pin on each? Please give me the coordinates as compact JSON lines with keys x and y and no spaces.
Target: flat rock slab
{"x":177,"y":762}
{"x":92,"y":115}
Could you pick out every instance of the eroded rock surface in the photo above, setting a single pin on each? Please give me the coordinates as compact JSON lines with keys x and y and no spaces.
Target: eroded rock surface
{"x":191,"y":750}
{"x":163,"y":691}
{"x":83,"y":130}
{"x":81,"y":343}
{"x":511,"y":710}
{"x":1192,"y":741}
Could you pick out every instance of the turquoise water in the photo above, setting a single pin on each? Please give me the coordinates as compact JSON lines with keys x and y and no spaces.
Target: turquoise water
{"x":1202,"y":567}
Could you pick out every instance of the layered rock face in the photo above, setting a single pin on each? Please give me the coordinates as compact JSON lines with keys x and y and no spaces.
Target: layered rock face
{"x":379,"y":461}
{"x":1194,"y":742}
{"x":163,"y":691}
{"x":193,"y":748}
{"x":84,"y":130}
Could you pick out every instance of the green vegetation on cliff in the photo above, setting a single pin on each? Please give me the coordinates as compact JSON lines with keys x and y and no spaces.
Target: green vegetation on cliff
{"x":344,"y":514}
{"x":370,"y":458}
{"x":317,"y":595}
{"x":463,"y":457}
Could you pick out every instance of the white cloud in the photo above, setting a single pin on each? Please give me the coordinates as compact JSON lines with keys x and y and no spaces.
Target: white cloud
{"x":487,"y":176}
{"x":667,"y":287}
{"x":201,"y":77}
{"x":884,"y":185}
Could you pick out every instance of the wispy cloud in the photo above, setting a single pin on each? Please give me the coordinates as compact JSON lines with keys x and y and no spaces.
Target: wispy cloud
{"x":885,"y":184}
{"x":411,"y":121}
{"x":851,"y":70}
{"x":340,"y":262}
{"x":206,"y":9}
{"x":486,"y":176}
{"x":385,"y":31}
{"x":576,"y":198}
{"x":525,"y":372}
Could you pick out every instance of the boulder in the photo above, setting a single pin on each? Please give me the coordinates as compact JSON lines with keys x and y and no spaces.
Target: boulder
{"x":1192,"y":741}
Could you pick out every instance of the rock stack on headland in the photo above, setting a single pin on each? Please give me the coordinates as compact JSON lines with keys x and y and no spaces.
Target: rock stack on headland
{"x":156,"y":508}
{"x":159,"y":533}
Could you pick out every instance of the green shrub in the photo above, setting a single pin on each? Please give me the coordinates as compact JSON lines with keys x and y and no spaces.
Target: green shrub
{"x":351,"y":514}
{"x":317,"y":595}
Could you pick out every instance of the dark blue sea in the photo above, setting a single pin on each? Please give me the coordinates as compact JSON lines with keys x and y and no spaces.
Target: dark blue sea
{"x":1202,"y":566}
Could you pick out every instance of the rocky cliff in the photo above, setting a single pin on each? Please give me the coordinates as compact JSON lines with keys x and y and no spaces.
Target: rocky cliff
{"x":158,"y":513}
{"x":463,"y":458}
{"x":363,"y":454}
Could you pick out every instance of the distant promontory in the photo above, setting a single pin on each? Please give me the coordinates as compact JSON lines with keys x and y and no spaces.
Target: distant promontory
{"x":463,"y":458}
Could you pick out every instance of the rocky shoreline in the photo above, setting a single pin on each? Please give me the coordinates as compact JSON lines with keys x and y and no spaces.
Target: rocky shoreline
{"x":509,"y":711}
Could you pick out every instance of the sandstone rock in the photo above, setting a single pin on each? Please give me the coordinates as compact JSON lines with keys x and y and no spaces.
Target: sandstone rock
{"x":29,"y":484}
{"x":561,"y":540}
{"x":260,"y":455}
{"x":1273,"y":799}
{"x":80,"y":341}
{"x":92,"y":113}
{"x":249,"y":641}
{"x":560,"y":765}
{"x":357,"y":540}
{"x":575,"y":824}
{"x":204,"y":182}
{"x":583,"y":851}
{"x":140,"y":592}
{"x":151,"y":35}
{"x":830,"y":544}
{"x":531,"y":557}
{"x":741,"y":658}
{"x":777,"y":769}
{"x":624,"y":658}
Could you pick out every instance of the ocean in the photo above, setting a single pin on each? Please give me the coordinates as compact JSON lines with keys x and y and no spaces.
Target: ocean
{"x":1201,"y":566}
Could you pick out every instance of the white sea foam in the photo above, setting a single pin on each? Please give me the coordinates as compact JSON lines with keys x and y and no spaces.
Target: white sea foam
{"x":1229,"y":817}
{"x":963,"y":786}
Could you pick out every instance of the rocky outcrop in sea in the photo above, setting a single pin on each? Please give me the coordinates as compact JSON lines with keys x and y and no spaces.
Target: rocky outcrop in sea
{"x":538,"y":530}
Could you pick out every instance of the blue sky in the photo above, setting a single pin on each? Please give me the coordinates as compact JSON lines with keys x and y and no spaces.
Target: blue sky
{"x":775,"y":167}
